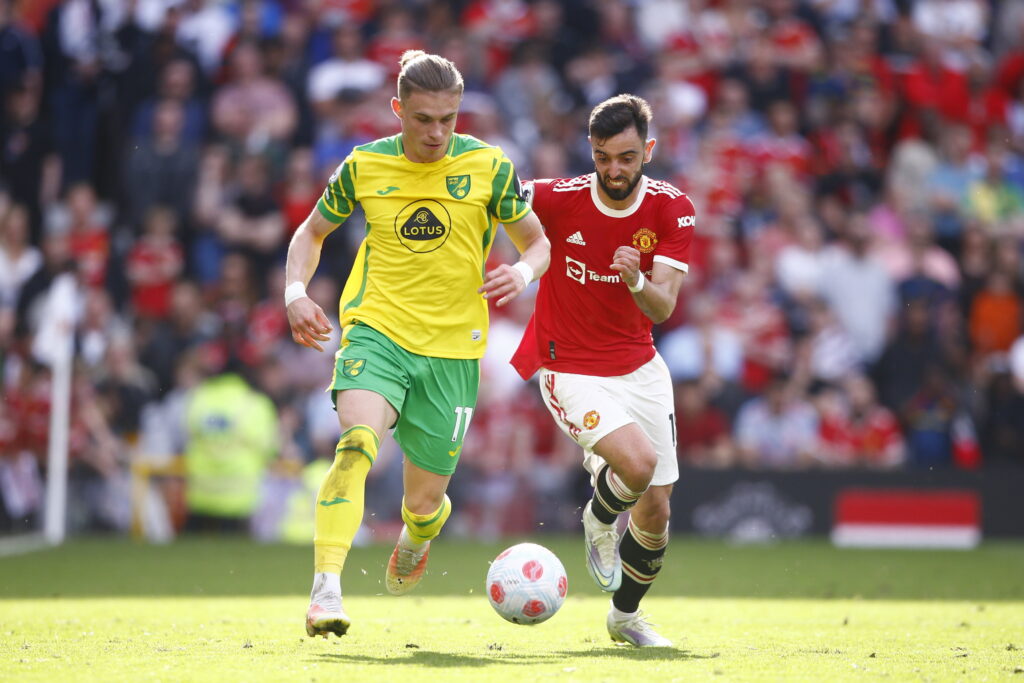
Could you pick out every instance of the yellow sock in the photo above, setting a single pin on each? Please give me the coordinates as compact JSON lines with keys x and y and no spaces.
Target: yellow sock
{"x":339,"y":505}
{"x":422,"y":528}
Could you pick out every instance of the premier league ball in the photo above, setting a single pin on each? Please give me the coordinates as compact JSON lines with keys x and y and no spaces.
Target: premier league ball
{"x":526,"y":584}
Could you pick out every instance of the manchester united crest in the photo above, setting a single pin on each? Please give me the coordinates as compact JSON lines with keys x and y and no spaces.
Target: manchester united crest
{"x":591,"y":419}
{"x":645,"y":240}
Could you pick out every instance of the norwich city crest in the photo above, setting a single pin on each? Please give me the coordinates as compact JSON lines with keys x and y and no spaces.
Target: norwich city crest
{"x":458,"y":185}
{"x":353,"y":366}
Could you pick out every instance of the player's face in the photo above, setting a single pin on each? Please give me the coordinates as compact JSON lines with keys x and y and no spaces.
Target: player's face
{"x":428,"y":121}
{"x":619,"y":162}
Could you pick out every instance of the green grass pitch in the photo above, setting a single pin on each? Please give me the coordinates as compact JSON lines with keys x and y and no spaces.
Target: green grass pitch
{"x":218,"y":610}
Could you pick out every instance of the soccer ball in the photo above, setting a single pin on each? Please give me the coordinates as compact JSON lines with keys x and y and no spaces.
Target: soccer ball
{"x":526,"y":584}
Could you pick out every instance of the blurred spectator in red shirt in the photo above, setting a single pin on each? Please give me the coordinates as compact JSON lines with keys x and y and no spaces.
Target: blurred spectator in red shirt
{"x":499,"y":25}
{"x":926,"y":85}
{"x":299,"y":190}
{"x":761,"y":326}
{"x":855,"y":430}
{"x":782,"y":143}
{"x":89,"y":234}
{"x":702,"y":431}
{"x":398,"y":31}
{"x":154,"y":263}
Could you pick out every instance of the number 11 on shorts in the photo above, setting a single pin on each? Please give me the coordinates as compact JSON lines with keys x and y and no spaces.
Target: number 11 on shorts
{"x":460,"y":413}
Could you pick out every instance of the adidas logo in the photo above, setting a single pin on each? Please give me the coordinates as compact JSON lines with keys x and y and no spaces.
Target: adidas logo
{"x":576,"y":238}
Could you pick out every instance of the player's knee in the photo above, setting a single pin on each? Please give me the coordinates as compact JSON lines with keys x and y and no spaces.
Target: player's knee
{"x":659,"y":517}
{"x":357,"y":442}
{"x":653,"y":517}
{"x":638,"y":470}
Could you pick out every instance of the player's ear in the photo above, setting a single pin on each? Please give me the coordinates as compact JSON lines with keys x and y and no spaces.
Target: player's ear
{"x":396,"y":107}
{"x":649,"y":150}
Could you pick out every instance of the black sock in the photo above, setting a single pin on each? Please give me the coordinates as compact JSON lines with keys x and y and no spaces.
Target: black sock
{"x":642,"y":553}
{"x":611,"y":496}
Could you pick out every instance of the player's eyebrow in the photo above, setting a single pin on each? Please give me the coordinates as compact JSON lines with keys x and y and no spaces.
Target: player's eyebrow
{"x":428,"y":117}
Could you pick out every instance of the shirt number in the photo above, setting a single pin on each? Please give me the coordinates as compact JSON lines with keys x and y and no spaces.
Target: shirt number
{"x":460,"y":413}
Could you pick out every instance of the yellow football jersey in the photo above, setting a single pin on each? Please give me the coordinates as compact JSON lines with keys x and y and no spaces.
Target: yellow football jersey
{"x":429,"y":229}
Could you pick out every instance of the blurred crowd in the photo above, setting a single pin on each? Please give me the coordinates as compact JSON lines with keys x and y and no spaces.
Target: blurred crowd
{"x":856,"y":282}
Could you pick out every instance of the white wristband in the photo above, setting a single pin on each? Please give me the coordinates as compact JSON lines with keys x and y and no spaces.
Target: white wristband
{"x":525,"y":270}
{"x":639,"y":284}
{"x":295,"y":290}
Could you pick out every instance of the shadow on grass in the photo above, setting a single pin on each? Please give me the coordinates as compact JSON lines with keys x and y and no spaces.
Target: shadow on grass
{"x":448,"y":659}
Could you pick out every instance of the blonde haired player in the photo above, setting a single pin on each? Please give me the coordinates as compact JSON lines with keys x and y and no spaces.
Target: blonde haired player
{"x":413,"y":312}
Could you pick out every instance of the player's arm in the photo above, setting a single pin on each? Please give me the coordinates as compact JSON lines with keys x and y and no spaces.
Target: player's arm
{"x":506,"y":281}
{"x":655,"y":297}
{"x":308,"y":322}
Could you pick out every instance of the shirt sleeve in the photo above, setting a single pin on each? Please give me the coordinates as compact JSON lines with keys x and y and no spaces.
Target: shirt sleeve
{"x":339,"y":198}
{"x":675,"y":232}
{"x":508,"y":203}
{"x":538,"y":196}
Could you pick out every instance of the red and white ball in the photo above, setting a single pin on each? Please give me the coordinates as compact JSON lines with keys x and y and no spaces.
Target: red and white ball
{"x":526,"y":584}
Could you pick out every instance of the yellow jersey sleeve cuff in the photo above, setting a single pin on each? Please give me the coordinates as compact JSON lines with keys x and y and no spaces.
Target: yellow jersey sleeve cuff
{"x":329,"y":213}
{"x":519,"y":216}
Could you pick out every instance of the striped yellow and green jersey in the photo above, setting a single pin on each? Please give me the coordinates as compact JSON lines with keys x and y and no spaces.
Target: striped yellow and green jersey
{"x":429,"y":228}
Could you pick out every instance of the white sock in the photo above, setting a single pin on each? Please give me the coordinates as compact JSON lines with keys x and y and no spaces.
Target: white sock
{"x":326,"y":583}
{"x":619,"y":615}
{"x":410,"y":543}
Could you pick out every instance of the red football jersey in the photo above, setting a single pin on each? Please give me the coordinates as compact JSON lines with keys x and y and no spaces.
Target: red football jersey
{"x":586,"y":321}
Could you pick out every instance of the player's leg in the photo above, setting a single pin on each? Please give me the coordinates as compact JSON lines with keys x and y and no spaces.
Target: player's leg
{"x":368,"y":384}
{"x":642,"y":550}
{"x":438,"y":410}
{"x":425,"y":509}
{"x":618,"y":456}
{"x":364,"y":417}
{"x":619,"y":482}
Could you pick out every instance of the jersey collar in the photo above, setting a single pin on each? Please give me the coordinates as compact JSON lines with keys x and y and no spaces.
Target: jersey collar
{"x":618,"y":213}
{"x":447,"y":153}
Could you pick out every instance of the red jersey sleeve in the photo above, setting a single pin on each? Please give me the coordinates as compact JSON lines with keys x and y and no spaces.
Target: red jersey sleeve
{"x":675,"y":232}
{"x":538,"y":196}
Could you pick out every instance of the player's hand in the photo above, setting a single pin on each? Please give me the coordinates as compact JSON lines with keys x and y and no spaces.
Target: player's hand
{"x":626,"y":263}
{"x":308,"y":322}
{"x":505,"y":282}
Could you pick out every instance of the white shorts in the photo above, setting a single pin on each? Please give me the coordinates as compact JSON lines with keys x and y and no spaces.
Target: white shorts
{"x":588,"y":408}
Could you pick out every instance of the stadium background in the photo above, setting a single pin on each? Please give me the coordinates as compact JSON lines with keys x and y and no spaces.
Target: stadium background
{"x":855,"y":299}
